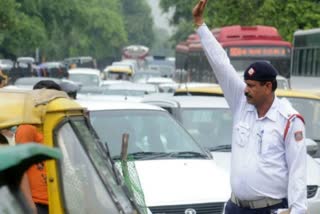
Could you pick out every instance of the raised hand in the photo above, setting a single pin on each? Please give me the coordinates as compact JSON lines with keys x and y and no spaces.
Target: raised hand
{"x":197,"y":12}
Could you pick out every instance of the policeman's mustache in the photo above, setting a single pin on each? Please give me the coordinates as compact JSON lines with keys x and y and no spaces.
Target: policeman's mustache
{"x":247,"y":95}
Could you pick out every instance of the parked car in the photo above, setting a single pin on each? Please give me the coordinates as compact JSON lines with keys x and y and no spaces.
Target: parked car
{"x":85,"y":76}
{"x":133,"y":64}
{"x":176,"y":174}
{"x":208,"y":119}
{"x":28,"y":82}
{"x":130,"y":88}
{"x":85,"y":179}
{"x":144,"y":75}
{"x":118,"y":72}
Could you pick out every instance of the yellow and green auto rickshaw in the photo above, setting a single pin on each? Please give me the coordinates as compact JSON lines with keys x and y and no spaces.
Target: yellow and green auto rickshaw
{"x":115,"y":72}
{"x":85,"y":180}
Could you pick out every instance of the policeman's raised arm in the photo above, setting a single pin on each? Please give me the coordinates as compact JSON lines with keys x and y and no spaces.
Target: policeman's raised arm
{"x":229,"y":80}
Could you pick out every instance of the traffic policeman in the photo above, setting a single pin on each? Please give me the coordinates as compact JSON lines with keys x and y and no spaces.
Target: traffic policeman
{"x":268,"y":164}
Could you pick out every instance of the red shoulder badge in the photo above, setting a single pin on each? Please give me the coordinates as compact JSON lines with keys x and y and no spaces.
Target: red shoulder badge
{"x":298,"y":136}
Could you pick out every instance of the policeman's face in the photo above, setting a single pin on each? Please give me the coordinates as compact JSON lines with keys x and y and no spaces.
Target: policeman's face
{"x":256,"y":92}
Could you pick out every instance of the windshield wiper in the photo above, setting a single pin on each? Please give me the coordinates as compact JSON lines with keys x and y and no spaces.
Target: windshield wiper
{"x":225,"y":148}
{"x":188,"y":154}
{"x":144,"y":155}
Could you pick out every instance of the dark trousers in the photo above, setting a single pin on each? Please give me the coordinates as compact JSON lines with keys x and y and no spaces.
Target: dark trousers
{"x":42,"y":208}
{"x":232,"y":208}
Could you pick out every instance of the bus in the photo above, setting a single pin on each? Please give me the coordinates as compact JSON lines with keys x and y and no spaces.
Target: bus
{"x":243,"y":44}
{"x":306,"y":53}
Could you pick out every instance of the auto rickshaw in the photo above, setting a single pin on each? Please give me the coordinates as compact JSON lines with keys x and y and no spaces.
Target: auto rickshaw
{"x":85,"y":180}
{"x":14,"y":161}
{"x":115,"y":72}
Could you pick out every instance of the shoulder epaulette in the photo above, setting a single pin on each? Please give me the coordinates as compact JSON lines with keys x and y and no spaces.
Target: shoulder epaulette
{"x":289,"y":121}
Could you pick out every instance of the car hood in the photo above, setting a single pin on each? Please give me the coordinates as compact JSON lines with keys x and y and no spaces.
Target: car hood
{"x":223,"y":160}
{"x":173,"y":182}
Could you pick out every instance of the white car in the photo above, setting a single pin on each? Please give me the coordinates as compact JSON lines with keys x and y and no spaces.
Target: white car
{"x":176,"y":174}
{"x":209,"y":120}
{"x":85,"y":76}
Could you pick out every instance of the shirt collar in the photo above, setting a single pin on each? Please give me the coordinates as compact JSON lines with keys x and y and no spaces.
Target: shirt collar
{"x":272,"y":112}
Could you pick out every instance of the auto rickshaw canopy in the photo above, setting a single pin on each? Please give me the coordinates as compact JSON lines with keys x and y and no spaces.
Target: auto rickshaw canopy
{"x":24,"y":155}
{"x":29,"y":107}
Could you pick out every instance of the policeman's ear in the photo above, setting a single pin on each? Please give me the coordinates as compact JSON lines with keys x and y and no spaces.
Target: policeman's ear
{"x":267,"y":85}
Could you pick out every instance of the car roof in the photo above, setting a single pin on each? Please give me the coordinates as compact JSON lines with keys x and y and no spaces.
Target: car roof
{"x":33,"y":80}
{"x":84,"y":71}
{"x":118,"y":68}
{"x":132,"y":86}
{"x":188,"y":101}
{"x":160,"y":80}
{"x":98,"y":105}
{"x":218,"y":92}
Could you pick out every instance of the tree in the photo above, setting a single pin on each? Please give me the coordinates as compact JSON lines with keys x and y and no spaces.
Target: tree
{"x":61,"y":28}
{"x":138,"y":22}
{"x":286,"y":15}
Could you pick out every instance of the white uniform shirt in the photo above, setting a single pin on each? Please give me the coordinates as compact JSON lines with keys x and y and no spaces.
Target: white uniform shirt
{"x":263,"y":163}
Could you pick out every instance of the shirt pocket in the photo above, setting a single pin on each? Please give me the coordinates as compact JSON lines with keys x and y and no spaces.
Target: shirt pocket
{"x":242,"y":134}
{"x":271,"y":143}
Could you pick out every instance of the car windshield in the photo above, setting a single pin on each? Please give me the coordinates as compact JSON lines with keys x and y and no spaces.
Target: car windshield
{"x":85,"y":79}
{"x":212,"y":127}
{"x":150,"y":133}
{"x":118,"y":76}
{"x":88,"y":179}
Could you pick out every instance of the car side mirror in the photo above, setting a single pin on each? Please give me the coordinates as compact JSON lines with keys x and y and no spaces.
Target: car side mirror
{"x":312,"y":146}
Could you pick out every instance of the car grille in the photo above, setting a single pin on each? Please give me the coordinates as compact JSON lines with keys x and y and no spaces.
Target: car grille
{"x":212,"y":208}
{"x":311,"y":191}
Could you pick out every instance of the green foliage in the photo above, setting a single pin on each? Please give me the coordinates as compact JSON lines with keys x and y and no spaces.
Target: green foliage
{"x":286,"y":15}
{"x":65,"y":28}
{"x":138,"y":22}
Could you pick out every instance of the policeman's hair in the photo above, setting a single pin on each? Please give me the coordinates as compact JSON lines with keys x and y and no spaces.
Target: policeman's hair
{"x":273,"y":82}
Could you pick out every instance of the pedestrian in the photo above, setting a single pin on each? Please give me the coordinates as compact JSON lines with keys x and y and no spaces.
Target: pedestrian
{"x":268,"y":164}
{"x":34,"y":183}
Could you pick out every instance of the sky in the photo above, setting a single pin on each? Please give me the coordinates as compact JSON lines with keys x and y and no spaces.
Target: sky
{"x":161,"y":20}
